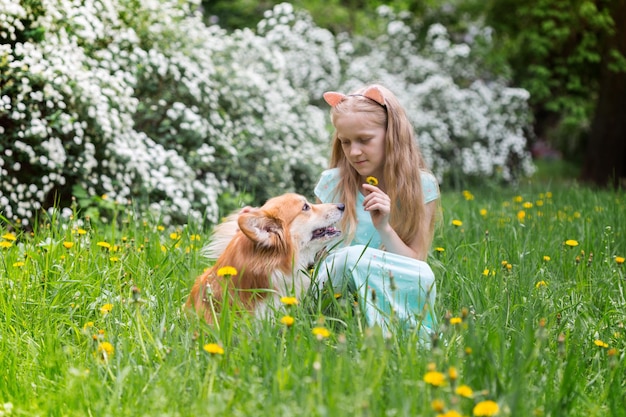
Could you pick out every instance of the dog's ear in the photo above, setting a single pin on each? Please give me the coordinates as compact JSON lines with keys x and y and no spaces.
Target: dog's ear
{"x":262,"y":229}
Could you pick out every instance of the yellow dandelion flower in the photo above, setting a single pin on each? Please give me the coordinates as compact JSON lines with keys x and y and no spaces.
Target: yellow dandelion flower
{"x":571,"y":243}
{"x":105,"y":350}
{"x":227,"y":271}
{"x":483,"y":212}
{"x":468,"y":195}
{"x":105,"y":245}
{"x":174,"y":235}
{"x":213,"y":349}
{"x":160,"y":228}
{"x":4,"y":244}
{"x":456,"y":320}
{"x":450,"y":413}
{"x":88,"y":325}
{"x":457,"y":223}
{"x":600,"y":343}
{"x":619,"y":260}
{"x":9,"y":236}
{"x":289,"y":301}
{"x":541,"y":284}
{"x":114,"y":258}
{"x":438,"y":405}
{"x":106,"y":309}
{"x":321,"y":332}
{"x":468,"y":350}
{"x":453,"y":374}
{"x":18,"y":264}
{"x":521,"y":215}
{"x":68,"y":245}
{"x":372,"y":181}
{"x":527,"y":205}
{"x":546,"y":258}
{"x":435,"y":378}
{"x":464,"y":391}
{"x":287,"y":321}
{"x":439,"y":249}
{"x":486,"y":408}
{"x":486,"y":272}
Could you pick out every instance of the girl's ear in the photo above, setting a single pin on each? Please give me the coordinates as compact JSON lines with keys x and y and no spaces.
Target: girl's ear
{"x":375,"y":94}
{"x":263,"y":230}
{"x":333,"y":98}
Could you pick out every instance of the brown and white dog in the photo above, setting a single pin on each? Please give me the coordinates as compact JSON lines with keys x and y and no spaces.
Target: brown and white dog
{"x":271,"y":248}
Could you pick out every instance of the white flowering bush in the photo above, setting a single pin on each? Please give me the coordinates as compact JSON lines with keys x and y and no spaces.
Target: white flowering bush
{"x":467,"y":126}
{"x":142,"y":101}
{"x":308,"y":50}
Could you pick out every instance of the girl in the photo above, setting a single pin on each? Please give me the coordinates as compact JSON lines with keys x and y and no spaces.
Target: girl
{"x":391,"y":202}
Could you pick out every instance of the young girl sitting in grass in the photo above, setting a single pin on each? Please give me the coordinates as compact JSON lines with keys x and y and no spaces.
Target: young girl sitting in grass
{"x":391,"y":199}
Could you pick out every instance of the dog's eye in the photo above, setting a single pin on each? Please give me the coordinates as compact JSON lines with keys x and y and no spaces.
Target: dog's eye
{"x":306,"y":207}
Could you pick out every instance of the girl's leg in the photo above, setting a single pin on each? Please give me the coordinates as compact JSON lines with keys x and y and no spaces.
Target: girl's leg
{"x":391,"y":288}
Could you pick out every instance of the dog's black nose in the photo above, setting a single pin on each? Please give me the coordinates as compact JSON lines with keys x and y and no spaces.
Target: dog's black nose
{"x":341,"y":207}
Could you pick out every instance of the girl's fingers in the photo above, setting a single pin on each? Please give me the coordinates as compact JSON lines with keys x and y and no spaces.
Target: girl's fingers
{"x":376,"y":202}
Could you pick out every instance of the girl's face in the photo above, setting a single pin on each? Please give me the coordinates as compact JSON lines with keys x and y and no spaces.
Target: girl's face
{"x":363,"y":143}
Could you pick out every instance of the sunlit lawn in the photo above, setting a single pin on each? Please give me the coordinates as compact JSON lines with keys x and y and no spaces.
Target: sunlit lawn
{"x":530,"y":301}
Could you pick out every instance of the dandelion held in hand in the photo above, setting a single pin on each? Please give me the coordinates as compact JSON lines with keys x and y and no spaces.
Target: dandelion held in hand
{"x":372,"y":181}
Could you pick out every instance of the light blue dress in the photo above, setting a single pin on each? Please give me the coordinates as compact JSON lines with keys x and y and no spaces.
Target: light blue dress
{"x":389,"y":286}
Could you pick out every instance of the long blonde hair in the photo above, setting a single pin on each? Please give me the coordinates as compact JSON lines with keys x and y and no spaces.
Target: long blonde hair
{"x":403,"y":164}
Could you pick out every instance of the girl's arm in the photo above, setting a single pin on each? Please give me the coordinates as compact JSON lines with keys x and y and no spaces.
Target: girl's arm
{"x":378,"y":204}
{"x":419,"y":247}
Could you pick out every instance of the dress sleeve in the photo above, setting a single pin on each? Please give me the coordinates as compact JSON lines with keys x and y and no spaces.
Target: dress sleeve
{"x":430,"y":187}
{"x":325,"y":188}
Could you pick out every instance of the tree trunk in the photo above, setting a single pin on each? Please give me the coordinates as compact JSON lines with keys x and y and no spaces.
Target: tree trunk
{"x":605,"y":161}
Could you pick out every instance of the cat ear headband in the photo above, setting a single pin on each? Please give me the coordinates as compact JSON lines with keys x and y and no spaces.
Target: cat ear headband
{"x":373,"y":93}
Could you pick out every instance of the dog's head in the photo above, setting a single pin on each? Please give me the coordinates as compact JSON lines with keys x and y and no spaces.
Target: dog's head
{"x":290,"y":224}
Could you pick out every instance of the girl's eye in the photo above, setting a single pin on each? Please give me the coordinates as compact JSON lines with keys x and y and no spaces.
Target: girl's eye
{"x":306,"y":207}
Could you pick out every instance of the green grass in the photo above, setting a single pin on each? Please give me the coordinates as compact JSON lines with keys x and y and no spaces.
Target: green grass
{"x":528,"y":337}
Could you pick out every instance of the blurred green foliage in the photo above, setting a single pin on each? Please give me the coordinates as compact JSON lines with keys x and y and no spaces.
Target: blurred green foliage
{"x":553,"y":48}
{"x":557,"y":49}
{"x":353,"y":16}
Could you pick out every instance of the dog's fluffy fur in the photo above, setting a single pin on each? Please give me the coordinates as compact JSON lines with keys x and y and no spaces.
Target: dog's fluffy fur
{"x":271,"y":248}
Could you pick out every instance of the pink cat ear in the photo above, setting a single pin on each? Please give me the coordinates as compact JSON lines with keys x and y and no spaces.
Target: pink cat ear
{"x":333,"y":98}
{"x":375,"y":94}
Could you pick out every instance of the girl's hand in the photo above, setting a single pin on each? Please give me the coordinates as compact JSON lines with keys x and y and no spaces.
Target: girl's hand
{"x":379,"y":206}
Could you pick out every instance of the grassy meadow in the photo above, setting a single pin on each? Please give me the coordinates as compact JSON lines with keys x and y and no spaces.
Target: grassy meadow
{"x":531,"y":304}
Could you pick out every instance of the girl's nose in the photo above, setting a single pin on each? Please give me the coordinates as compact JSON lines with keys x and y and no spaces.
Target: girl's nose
{"x":355,"y":149}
